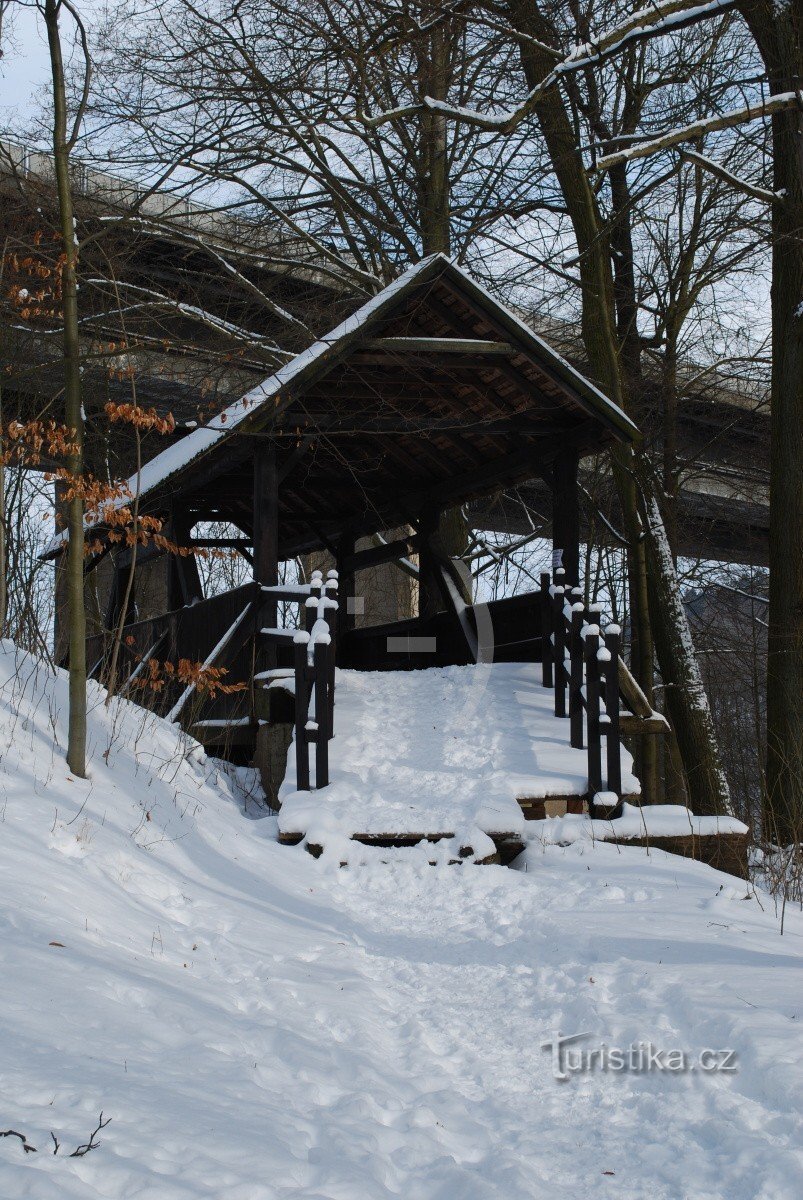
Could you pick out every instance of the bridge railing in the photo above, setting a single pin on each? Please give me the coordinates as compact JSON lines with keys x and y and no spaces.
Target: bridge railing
{"x":156,"y":204}
{"x":581,"y":663}
{"x":313,"y":672}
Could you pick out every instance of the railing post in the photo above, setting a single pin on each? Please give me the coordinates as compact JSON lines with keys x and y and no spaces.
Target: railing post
{"x":546,"y":631}
{"x":300,"y":645}
{"x":559,"y":626}
{"x":612,"y":737}
{"x":320,"y":655}
{"x":592,"y":714}
{"x":331,"y":591}
{"x":576,"y":678}
{"x":311,"y":606}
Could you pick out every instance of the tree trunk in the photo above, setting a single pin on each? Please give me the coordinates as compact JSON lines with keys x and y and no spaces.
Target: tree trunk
{"x":3,"y":546}
{"x":778,"y":31}
{"x":435,"y":215}
{"x":696,"y":738}
{"x":433,"y":167}
{"x":73,"y":413}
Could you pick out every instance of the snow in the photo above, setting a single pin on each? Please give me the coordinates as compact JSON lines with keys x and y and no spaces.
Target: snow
{"x":441,"y":750}
{"x":652,"y":821}
{"x":260,"y":1025}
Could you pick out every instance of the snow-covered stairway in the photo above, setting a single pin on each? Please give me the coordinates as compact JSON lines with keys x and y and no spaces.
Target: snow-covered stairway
{"x":452,"y":755}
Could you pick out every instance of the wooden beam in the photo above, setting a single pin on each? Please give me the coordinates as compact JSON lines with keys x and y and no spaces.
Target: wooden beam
{"x":566,"y":512}
{"x":564,"y":386}
{"x":468,"y":424}
{"x":441,"y":345}
{"x":266,"y":538}
{"x":429,"y":579}
{"x":389,"y":552}
{"x":242,"y":543}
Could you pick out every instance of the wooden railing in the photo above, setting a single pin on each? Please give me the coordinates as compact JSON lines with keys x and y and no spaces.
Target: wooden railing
{"x":221,"y":632}
{"x":313,"y":671}
{"x":216,"y":632}
{"x":580,"y":662}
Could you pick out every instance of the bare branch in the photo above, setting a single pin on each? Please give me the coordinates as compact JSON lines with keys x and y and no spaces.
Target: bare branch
{"x":646,"y":22}
{"x":750,"y":189}
{"x":689,"y":133}
{"x":80,"y":1151}
{"x":154,"y":299}
{"x":26,"y":1145}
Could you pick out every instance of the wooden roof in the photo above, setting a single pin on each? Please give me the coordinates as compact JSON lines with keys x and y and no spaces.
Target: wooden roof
{"x":431,"y":393}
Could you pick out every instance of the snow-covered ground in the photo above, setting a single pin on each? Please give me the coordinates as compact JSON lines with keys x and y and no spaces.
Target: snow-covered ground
{"x":260,"y":1025}
{"x":446,"y":750}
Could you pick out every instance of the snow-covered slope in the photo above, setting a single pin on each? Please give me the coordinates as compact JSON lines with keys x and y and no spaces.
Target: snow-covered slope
{"x":260,"y":1025}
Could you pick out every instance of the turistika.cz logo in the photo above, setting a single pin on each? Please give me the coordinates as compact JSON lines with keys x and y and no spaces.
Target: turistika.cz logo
{"x":570,"y":1057}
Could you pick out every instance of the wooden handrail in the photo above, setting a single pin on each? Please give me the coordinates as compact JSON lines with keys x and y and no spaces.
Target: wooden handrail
{"x":210,"y":661}
{"x":581,"y":662}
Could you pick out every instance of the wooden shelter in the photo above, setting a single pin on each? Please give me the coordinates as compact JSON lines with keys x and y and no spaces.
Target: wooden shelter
{"x":432,"y":394}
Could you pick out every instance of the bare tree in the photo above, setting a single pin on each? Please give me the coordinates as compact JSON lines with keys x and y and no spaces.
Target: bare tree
{"x":65,"y":135}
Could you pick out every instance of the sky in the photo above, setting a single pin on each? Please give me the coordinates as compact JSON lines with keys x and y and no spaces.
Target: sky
{"x":23,"y":66}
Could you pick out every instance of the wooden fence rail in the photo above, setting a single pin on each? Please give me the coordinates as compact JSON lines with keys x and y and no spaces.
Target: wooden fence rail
{"x":580,"y":662}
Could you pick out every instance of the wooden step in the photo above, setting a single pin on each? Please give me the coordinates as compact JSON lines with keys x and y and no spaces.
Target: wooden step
{"x":507,"y":845}
{"x":225,"y":731}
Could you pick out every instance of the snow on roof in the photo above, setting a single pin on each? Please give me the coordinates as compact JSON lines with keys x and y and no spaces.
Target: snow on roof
{"x":177,"y":457}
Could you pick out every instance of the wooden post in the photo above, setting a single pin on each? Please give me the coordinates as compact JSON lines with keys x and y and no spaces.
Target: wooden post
{"x":345,"y":592}
{"x":612,"y":740}
{"x":266,"y":515}
{"x":300,"y":644}
{"x":592,"y":715}
{"x":559,"y":627}
{"x":566,"y":512}
{"x":311,"y":605}
{"x":266,"y":540}
{"x":576,"y":680}
{"x":183,"y":578}
{"x":546,"y":631}
{"x":332,"y":614}
{"x":429,"y":591}
{"x":321,"y":715}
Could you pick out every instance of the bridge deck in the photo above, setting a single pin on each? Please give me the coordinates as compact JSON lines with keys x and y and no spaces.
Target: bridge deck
{"x":446,"y":752}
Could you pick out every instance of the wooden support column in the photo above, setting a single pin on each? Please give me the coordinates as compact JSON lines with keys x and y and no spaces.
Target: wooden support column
{"x":566,"y":513}
{"x":266,"y":539}
{"x":346,"y":615}
{"x":429,"y":588}
{"x":183,"y":577}
{"x":266,"y":515}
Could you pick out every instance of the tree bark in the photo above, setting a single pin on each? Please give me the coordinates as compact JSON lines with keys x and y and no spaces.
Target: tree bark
{"x":73,"y":411}
{"x":433,"y":168}
{"x":778,"y":31}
